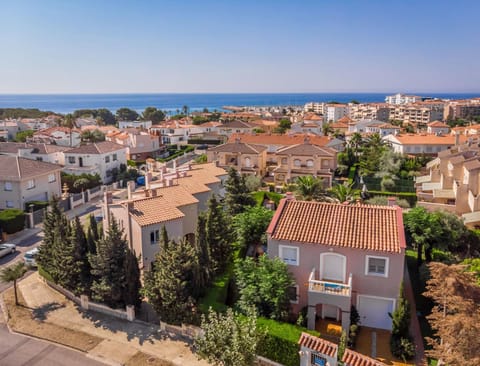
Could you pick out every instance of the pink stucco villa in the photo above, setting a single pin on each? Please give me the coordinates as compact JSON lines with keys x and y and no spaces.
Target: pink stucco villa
{"x":341,"y":255}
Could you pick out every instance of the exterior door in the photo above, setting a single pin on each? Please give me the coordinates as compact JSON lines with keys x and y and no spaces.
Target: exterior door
{"x":332,"y":267}
{"x":374,"y":311}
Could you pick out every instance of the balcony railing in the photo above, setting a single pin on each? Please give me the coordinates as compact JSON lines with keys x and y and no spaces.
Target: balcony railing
{"x":328,"y":287}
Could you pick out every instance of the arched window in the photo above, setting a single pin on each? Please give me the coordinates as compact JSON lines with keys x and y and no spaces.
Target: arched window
{"x":297,"y":162}
{"x":248,"y":162}
{"x":310,"y":163}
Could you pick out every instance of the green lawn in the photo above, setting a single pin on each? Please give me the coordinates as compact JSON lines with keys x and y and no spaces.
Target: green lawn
{"x":216,"y":295}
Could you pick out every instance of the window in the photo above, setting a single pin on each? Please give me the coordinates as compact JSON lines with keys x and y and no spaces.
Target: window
{"x":107,"y":159}
{"x":154,"y":237}
{"x":325,"y":163}
{"x":293,"y":294}
{"x":51,"y":178}
{"x":9,"y":204}
{"x":31,"y":184}
{"x":39,"y":158}
{"x":8,"y":186}
{"x":71,"y":159}
{"x":310,"y":163}
{"x":376,"y":266}
{"x":297,"y":162}
{"x":284,"y":161}
{"x":114,"y":157}
{"x":289,"y":255}
{"x":248,"y":162}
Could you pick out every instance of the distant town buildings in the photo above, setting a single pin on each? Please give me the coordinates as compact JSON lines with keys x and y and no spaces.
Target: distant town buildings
{"x":402,"y":99}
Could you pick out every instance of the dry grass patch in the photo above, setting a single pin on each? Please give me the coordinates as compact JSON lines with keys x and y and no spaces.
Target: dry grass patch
{"x":142,"y":359}
{"x":21,"y":320}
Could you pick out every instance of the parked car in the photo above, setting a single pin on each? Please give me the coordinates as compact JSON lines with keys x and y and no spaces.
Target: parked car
{"x":29,"y":257}
{"x":7,"y":248}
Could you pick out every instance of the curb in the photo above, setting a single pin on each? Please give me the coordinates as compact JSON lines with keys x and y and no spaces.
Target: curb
{"x":102,"y":359}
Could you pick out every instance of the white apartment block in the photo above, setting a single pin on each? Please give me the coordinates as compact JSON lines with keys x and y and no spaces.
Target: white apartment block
{"x":402,"y":99}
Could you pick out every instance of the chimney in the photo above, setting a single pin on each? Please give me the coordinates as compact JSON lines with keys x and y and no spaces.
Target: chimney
{"x":289,"y":196}
{"x":146,"y":192}
{"x":153,"y":193}
{"x":130,"y":189}
{"x":457,"y":138}
{"x":392,"y":201}
{"x":129,"y":206}
{"x":148,"y":179}
{"x":175,"y":164}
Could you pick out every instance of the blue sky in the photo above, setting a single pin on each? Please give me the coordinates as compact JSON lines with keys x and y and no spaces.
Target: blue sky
{"x":103,"y":46}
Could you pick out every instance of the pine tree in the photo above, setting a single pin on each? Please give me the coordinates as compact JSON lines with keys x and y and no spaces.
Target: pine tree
{"x":237,"y":197}
{"x":67,"y":270}
{"x":108,"y":267}
{"x":169,"y":285}
{"x":218,"y":236}
{"x":132,"y":284}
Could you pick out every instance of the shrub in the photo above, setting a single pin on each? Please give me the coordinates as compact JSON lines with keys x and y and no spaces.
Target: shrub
{"x":12,"y":220}
{"x":387,"y":184}
{"x":410,"y":197}
{"x":402,"y":348}
{"x":279,"y":342}
{"x":37,"y":205}
{"x":383,"y":201}
{"x":44,"y":273}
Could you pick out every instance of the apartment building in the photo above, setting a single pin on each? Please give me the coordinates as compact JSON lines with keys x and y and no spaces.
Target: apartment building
{"x":318,"y":108}
{"x":453,"y":182}
{"x":333,"y":112}
{"x":463,"y":109}
{"x":341,"y":255}
{"x":416,"y":114}
{"x":376,"y":111}
{"x":402,"y":99}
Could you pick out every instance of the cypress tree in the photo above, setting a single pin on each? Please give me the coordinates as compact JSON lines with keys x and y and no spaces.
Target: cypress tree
{"x":169,"y":286}
{"x":202,"y":275}
{"x":62,"y":253}
{"x":237,"y":196}
{"x":164,"y":238}
{"x":131,"y":292}
{"x":108,"y":267}
{"x":218,"y":236}
{"x":91,"y":242}
{"x":51,"y":221}
{"x":80,"y":246}
{"x":94,"y":227}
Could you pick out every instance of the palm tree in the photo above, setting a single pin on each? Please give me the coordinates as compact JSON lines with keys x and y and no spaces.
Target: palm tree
{"x":13,"y":273}
{"x":344,"y":193}
{"x":309,"y":188}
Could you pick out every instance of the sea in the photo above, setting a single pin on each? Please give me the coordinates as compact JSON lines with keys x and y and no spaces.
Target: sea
{"x":67,"y":103}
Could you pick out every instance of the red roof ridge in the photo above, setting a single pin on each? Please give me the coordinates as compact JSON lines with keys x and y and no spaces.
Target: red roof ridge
{"x":318,"y":344}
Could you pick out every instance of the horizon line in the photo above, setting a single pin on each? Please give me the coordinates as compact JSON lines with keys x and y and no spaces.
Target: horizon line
{"x":244,"y":93}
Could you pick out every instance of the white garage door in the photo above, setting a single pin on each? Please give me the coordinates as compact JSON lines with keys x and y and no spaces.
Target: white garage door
{"x":374,"y":311}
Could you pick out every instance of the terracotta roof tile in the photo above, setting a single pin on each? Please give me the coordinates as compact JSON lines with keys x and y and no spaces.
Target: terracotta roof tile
{"x":411,"y":139}
{"x":239,"y":147}
{"x":307,"y":149}
{"x":96,"y":148}
{"x":318,"y":344}
{"x":437,"y":124}
{"x":277,"y":139}
{"x":352,"y":358}
{"x":378,"y":228}
{"x":153,"y":210}
{"x":15,"y":168}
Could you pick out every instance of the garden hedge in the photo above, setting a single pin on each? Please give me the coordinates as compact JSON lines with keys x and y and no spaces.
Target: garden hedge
{"x":12,"y":220}
{"x":411,"y":197}
{"x":280,"y":342}
{"x":37,"y":205}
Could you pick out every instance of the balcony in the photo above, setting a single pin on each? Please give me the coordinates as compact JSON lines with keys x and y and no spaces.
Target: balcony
{"x":328,"y":287}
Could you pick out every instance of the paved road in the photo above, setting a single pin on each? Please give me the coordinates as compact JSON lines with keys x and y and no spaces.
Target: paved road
{"x":18,"y":350}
